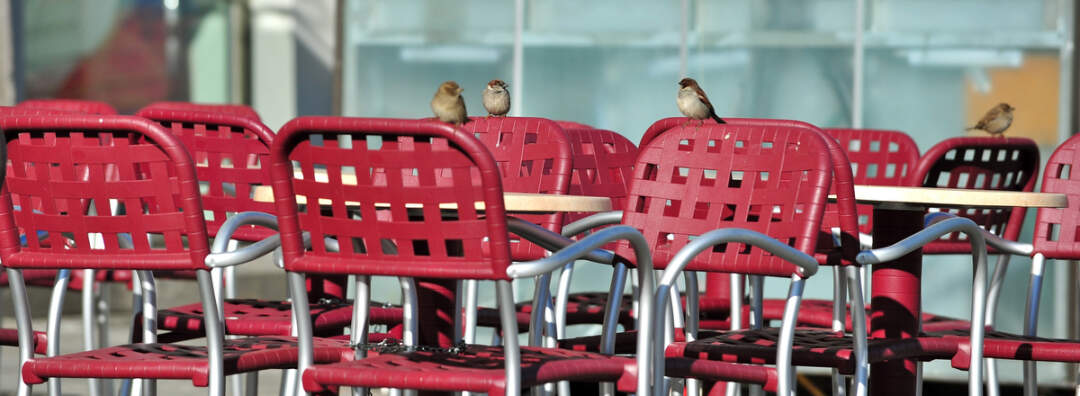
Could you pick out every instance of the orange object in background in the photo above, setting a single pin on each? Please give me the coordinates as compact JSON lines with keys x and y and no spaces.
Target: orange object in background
{"x":1031,"y":88}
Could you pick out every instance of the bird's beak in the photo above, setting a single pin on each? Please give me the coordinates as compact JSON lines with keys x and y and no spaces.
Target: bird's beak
{"x":460,"y":90}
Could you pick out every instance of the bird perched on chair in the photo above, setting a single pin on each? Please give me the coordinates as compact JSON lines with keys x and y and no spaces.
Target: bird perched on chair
{"x":496,"y":98}
{"x":693,"y":103}
{"x":448,"y":105}
{"x":996,"y":121}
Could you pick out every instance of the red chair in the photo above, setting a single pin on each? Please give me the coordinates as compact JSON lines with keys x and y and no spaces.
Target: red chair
{"x":427,"y":163}
{"x":534,"y":156}
{"x":1055,"y":237}
{"x":69,"y":105}
{"x":693,"y":182}
{"x":878,"y":157}
{"x":756,"y":187}
{"x":156,"y":187}
{"x":231,"y":161}
{"x":222,"y":108}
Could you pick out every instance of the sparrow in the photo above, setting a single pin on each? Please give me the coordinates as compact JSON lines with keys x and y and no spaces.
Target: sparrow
{"x":496,"y":98}
{"x":996,"y":121}
{"x":448,"y":105}
{"x":693,"y":103}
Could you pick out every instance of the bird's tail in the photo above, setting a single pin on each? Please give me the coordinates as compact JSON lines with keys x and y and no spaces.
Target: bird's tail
{"x":718,"y":119}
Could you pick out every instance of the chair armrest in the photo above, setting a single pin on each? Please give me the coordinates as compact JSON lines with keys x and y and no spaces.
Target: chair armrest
{"x":808,"y":266}
{"x":930,"y":233}
{"x":219,"y":258}
{"x":552,"y":241}
{"x":938,"y":227}
{"x":643,"y":257}
{"x":999,"y":243}
{"x":593,"y":221}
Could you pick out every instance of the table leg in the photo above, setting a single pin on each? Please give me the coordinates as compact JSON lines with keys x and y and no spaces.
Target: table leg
{"x":895,"y":300}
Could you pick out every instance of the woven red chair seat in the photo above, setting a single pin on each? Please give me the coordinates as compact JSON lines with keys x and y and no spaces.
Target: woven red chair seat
{"x":818,"y":313}
{"x":272,"y":318}
{"x":581,"y":308}
{"x":1002,"y":345}
{"x":477,"y":368}
{"x":171,"y":361}
{"x":813,"y":347}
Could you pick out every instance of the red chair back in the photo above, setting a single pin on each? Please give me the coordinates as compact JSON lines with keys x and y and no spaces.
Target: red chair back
{"x":534,"y":156}
{"x":150,"y":175}
{"x":1057,"y":230}
{"x":693,"y":179}
{"x":231,"y":158}
{"x":422,"y":163}
{"x":69,"y":105}
{"x":879,"y":158}
{"x":217,"y":108}
{"x":983,"y":163}
{"x":603,"y":164}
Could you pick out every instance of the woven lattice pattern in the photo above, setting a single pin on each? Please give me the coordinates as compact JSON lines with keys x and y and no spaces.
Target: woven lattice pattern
{"x":398,"y":198}
{"x":476,"y":368}
{"x":689,"y":180}
{"x":122,"y":182}
{"x":265,"y":318}
{"x":603,"y":165}
{"x":69,"y":105}
{"x":217,"y":108}
{"x":533,"y":156}
{"x":1057,"y":230}
{"x":982,"y":163}
{"x":231,"y":160}
{"x":816,"y":348}
{"x":879,"y":158}
{"x":172,"y":361}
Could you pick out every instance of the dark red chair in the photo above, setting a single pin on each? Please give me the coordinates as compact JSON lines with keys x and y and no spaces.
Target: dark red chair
{"x":692,"y":182}
{"x":534,"y":156}
{"x":231,"y":154}
{"x":217,"y":108}
{"x":403,"y":163}
{"x":69,"y":105}
{"x":159,"y":227}
{"x":1055,"y":237}
{"x":878,"y":157}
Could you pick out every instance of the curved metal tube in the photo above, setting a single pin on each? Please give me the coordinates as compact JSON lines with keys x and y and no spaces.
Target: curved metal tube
{"x":23,"y":324}
{"x":932,"y":232}
{"x":470,"y":286}
{"x":785,"y":383}
{"x":806,"y":263}
{"x":220,"y":257}
{"x":582,"y":248}
{"x":999,"y":243}
{"x":563,"y":291}
{"x":301,"y":309}
{"x":596,"y":220}
{"x":1031,"y":319}
{"x":410,"y":306}
{"x":858,"y":331}
{"x":56,"y":311}
{"x":552,"y":241}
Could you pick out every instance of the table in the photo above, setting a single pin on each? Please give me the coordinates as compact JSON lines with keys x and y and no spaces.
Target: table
{"x":436,"y":296}
{"x":895,"y":299}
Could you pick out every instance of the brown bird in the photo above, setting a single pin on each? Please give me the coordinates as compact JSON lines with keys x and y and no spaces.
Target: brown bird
{"x":496,"y":98}
{"x":448,"y":105}
{"x":693,"y":103}
{"x":996,"y":121}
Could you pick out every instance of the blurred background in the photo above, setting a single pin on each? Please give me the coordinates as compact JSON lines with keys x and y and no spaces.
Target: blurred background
{"x":925,"y":67}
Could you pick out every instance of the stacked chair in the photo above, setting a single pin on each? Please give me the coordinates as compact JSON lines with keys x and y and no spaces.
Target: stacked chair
{"x":447,"y":170}
{"x":160,"y":226}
